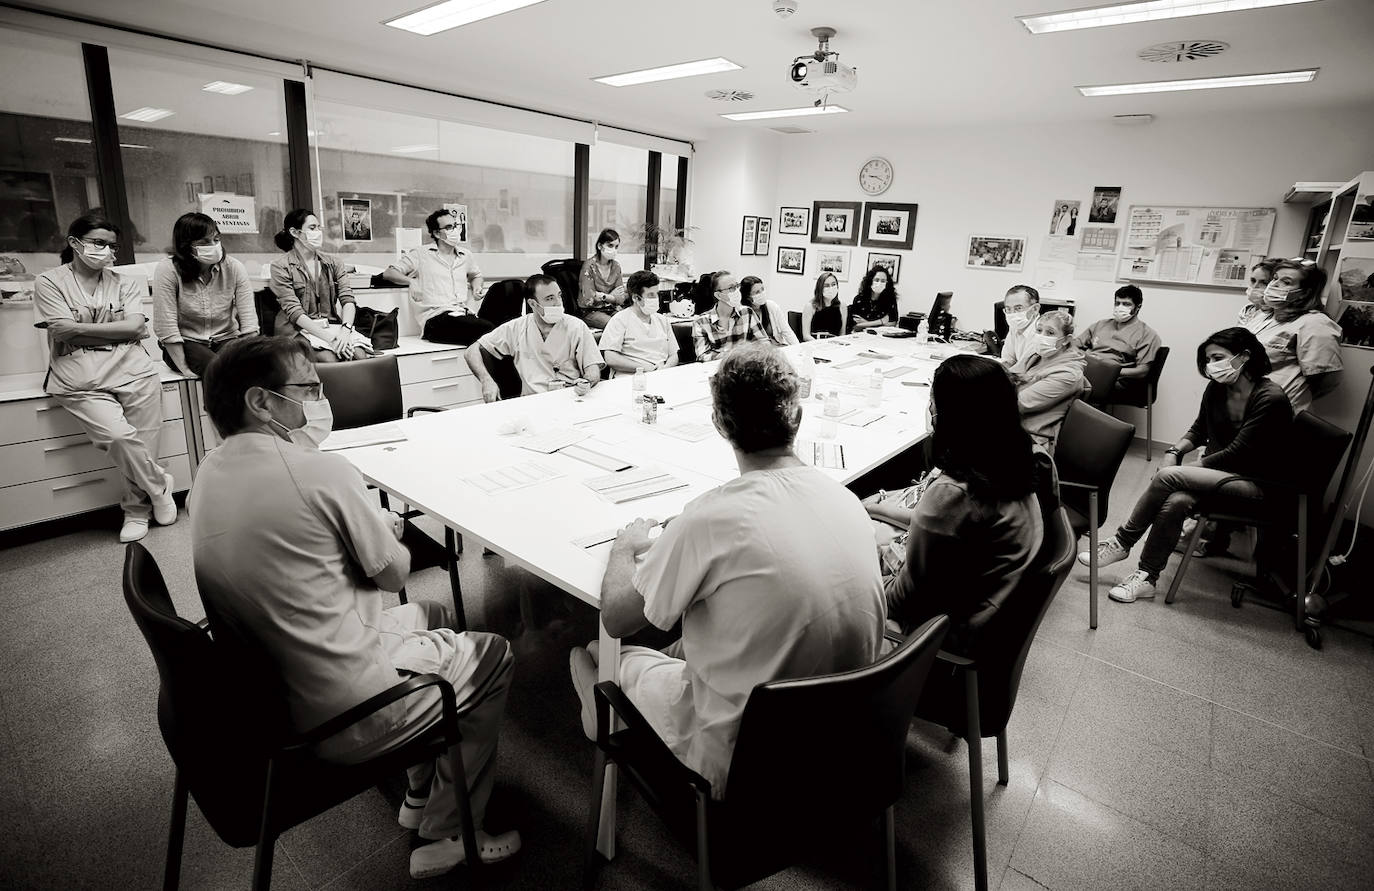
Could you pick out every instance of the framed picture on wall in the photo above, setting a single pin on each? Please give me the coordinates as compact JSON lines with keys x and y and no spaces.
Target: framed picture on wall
{"x":1003,"y":252}
{"x":835,"y":222}
{"x":891,"y":262}
{"x":794,"y":220}
{"x":835,"y":261}
{"x":765,"y":237}
{"x":791,"y":260}
{"x":749,"y":236}
{"x":357,"y":218}
{"x":889,"y":225}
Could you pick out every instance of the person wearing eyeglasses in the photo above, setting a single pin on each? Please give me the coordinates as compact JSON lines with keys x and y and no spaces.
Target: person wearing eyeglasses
{"x":312,"y":289}
{"x":737,"y":318}
{"x":99,"y":370}
{"x":1303,"y":343}
{"x":445,"y":283}
{"x":202,"y":299}
{"x":1021,"y":307}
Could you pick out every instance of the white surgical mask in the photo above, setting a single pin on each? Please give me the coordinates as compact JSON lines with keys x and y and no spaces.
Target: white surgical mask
{"x":319,"y":422}
{"x":551,"y":314}
{"x":1122,"y":313}
{"x":313,"y":237}
{"x":1018,"y":320}
{"x":734,"y":299}
{"x":879,"y":287}
{"x":1223,"y":371}
{"x":830,"y":292}
{"x":209,"y":253}
{"x":97,"y":256}
{"x":1255,"y":295}
{"x":1046,"y":343}
{"x":607,"y":252}
{"x":1276,"y":294}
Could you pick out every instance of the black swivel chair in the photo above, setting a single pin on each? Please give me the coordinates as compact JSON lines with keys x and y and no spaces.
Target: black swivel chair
{"x":225,"y":728}
{"x":1089,"y":451}
{"x":502,"y":302}
{"x":567,"y":272}
{"x":686,"y":346}
{"x":788,"y":794}
{"x":794,"y":321}
{"x":1141,"y":393}
{"x":266,"y":306}
{"x":1102,"y":377}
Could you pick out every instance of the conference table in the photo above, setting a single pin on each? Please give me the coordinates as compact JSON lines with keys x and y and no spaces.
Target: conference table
{"x":482,"y":470}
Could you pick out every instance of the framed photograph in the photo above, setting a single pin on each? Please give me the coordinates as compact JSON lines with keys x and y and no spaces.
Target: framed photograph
{"x":765,"y":236}
{"x":889,"y":225}
{"x":1064,"y":217}
{"x":794,"y":220}
{"x":357,"y":218}
{"x":835,"y":222}
{"x":1361,"y":220}
{"x":1003,"y":252}
{"x":791,"y":260}
{"x":836,"y":261}
{"x":1106,"y":199}
{"x":749,"y":236}
{"x":891,"y":262}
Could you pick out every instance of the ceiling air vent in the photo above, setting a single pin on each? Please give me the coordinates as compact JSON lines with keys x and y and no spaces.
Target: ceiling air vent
{"x":791,"y":131}
{"x":1183,"y":50}
{"x":729,"y":95}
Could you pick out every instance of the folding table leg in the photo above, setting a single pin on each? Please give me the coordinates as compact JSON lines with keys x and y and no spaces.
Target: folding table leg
{"x":608,"y":669}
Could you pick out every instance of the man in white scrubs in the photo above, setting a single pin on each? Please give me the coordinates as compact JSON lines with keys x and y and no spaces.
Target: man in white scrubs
{"x":639,"y":336}
{"x":551,"y":349}
{"x":1021,"y":306}
{"x":772,"y":576}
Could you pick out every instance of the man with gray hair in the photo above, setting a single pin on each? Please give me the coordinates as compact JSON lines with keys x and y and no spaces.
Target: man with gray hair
{"x":772,"y":576}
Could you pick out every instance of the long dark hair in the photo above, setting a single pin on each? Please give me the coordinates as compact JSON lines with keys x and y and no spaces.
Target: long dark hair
{"x":866,"y":289}
{"x":284,"y":240}
{"x":1236,"y":341}
{"x":188,"y":229}
{"x":746,"y":288}
{"x":978,"y":437}
{"x":818,"y":295}
{"x":606,"y":237}
{"x":88,"y":222}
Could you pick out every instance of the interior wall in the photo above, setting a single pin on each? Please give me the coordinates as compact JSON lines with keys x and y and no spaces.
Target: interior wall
{"x":734,"y":174}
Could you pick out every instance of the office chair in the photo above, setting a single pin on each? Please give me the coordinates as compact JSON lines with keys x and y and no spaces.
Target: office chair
{"x":1102,"y":376}
{"x":1141,"y":393}
{"x":794,"y":321}
{"x":502,"y":302}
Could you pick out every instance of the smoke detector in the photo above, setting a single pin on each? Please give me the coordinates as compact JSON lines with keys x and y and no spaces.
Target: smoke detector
{"x":729,"y":95}
{"x":784,"y":9}
{"x":1183,"y":51}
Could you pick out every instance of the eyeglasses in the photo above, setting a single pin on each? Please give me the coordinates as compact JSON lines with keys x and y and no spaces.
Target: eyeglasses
{"x":313,"y":389}
{"x":1008,"y":310}
{"x":450,"y":227}
{"x":100,"y":243}
{"x":730,"y":290}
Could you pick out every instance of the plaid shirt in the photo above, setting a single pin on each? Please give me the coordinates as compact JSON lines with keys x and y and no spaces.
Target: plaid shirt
{"x":713,"y":338}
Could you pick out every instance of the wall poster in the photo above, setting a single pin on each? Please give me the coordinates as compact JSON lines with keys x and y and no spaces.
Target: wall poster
{"x":1211,"y":246}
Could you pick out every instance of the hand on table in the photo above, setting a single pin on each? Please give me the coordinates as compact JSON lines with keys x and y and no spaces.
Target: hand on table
{"x":636,"y":535}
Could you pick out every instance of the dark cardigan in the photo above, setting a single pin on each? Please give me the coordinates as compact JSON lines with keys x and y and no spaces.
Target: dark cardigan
{"x":1258,"y":445}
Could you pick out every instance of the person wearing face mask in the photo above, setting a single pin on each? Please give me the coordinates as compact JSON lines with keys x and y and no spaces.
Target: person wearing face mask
{"x":1021,"y":306}
{"x":99,"y":370}
{"x":1245,"y":421}
{"x":201,"y":298}
{"x":741,"y":314}
{"x":444,"y":283}
{"x":1256,"y":315}
{"x":1303,"y":343}
{"x":312,"y":289}
{"x":1124,"y":338}
{"x":876,"y":303}
{"x":822,"y":315}
{"x":551,"y":349}
{"x":601,"y":287}
{"x":292,"y":556}
{"x":639,"y":337}
{"x":1049,"y":378}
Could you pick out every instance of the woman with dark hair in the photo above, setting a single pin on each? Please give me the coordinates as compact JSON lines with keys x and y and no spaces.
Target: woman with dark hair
{"x":1303,"y":343}
{"x":821,"y":315}
{"x":876,"y":302}
{"x":201,"y":298}
{"x":1257,"y":315}
{"x":601,"y":286}
{"x":1245,"y":422}
{"x":312,"y":288}
{"x":100,"y":372}
{"x":741,"y":313}
{"x":973,"y":523}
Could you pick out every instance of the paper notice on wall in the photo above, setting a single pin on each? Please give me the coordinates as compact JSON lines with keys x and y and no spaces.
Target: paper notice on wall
{"x":233,"y":214}
{"x":1096,"y":268}
{"x":1099,"y":240}
{"x":408,"y":240}
{"x":1059,"y":249}
{"x":1053,"y":276}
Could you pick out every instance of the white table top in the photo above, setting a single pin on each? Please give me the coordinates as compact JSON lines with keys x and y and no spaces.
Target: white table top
{"x":534,"y":526}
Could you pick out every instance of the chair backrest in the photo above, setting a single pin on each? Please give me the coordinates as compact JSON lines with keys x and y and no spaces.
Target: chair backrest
{"x":502,"y":301}
{"x":1089,"y":450}
{"x":1322,"y":445}
{"x":567,"y":272}
{"x":363,"y":391}
{"x":1101,"y":377}
{"x":502,"y":370}
{"x":833,"y":745}
{"x":794,"y":321}
{"x":1156,"y":369}
{"x":686,"y":347}
{"x":266,"y":305}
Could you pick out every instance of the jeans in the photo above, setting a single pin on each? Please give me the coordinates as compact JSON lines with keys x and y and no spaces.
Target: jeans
{"x":1170,"y":499}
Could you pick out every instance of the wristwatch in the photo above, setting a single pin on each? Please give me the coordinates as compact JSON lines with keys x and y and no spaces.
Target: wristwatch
{"x":1173,"y":450}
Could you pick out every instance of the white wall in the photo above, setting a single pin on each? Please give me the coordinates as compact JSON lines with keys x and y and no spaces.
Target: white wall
{"x":734,"y":174}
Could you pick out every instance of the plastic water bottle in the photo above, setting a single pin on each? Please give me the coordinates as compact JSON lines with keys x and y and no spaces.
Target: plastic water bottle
{"x":832,"y":404}
{"x":922,"y":332}
{"x":875,"y":389}
{"x":806,"y":372}
{"x":637,"y":386}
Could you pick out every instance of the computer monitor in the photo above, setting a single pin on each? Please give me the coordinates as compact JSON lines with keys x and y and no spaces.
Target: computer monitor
{"x":940,"y":322}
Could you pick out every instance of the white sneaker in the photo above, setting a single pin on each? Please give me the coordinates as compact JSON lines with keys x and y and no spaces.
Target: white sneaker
{"x":133,"y":529}
{"x":1136,"y":586}
{"x":412,"y":809}
{"x":437,"y":858}
{"x":1108,"y":552}
{"x":164,"y":507}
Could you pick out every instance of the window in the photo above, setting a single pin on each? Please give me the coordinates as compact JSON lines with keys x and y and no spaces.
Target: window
{"x":197,"y":137}
{"x":617,"y":198}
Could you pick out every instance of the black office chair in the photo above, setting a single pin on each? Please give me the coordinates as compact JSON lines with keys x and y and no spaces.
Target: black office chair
{"x":686,"y":346}
{"x":502,"y":302}
{"x":794,"y":321}
{"x":567,"y":272}
{"x":225,"y":727}
{"x":1294,"y":507}
{"x":1141,"y":393}
{"x":788,"y":794}
{"x":368,"y":391}
{"x":973,"y":695}
{"x":1102,"y":376}
{"x":266,"y":306}
{"x":1091,"y":446}
{"x":502,"y":370}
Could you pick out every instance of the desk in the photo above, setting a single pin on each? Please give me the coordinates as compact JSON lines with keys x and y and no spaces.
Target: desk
{"x":534,"y":527}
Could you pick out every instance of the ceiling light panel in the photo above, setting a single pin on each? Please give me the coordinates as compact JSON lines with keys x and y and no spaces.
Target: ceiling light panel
{"x":668,"y":72}
{"x":454,"y":14}
{"x":1145,"y":11}
{"x":785,"y":113}
{"x":147,"y":114}
{"x":415,"y":149}
{"x":227,"y":87}
{"x":1203,"y":83}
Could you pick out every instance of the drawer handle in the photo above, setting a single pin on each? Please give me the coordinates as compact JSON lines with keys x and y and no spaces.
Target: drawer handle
{"x":444,"y":386}
{"x":89,"y":482}
{"x":70,"y":445}
{"x":444,"y":359}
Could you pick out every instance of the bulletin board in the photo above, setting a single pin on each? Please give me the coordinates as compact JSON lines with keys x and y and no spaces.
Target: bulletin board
{"x":1210,"y":247}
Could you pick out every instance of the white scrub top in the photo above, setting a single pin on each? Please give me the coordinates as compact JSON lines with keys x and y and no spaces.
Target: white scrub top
{"x":544,"y":363}
{"x":72,"y":369}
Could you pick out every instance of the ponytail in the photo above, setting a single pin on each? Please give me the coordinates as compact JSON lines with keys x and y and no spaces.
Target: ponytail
{"x":284,"y":240}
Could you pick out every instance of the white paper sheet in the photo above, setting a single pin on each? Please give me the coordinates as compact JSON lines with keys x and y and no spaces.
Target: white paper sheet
{"x":362,"y":436}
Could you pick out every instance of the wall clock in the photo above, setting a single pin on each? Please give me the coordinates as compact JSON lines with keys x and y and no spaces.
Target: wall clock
{"x":875,"y":176}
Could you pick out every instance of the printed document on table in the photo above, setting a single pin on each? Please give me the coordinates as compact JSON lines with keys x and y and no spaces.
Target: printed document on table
{"x":689,"y":432}
{"x":821,"y":454}
{"x":858,"y":417}
{"x":362,"y":436}
{"x":516,"y":476}
{"x":638,"y":482}
{"x":553,"y":439}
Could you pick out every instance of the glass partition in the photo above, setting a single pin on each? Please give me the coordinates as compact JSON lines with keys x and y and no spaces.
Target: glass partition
{"x":617,"y":198}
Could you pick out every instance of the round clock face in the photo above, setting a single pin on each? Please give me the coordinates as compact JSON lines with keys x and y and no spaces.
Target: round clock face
{"x":875,"y":176}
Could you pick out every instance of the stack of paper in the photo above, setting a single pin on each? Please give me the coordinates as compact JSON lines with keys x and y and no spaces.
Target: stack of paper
{"x":516,"y":476}
{"x":638,"y":482}
{"x":553,"y":439}
{"x":362,"y":436}
{"x":595,"y":458}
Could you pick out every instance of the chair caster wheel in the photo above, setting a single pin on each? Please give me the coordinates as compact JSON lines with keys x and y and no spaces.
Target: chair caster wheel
{"x":1237,"y":595}
{"x":1314,"y":637}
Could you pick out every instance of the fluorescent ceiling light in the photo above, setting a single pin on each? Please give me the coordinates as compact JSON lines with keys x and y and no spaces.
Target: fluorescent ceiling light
{"x":228,"y":88}
{"x":1203,"y":83}
{"x":415,"y":149}
{"x":454,"y":14}
{"x":785,"y":112}
{"x":148,"y":115}
{"x":668,"y":72}
{"x":75,"y":139}
{"x":1145,"y":11}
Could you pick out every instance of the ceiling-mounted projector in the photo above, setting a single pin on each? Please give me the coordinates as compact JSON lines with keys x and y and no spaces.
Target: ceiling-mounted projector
{"x":822,"y":72}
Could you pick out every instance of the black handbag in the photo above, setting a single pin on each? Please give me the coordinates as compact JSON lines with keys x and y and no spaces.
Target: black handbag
{"x":379,"y":327}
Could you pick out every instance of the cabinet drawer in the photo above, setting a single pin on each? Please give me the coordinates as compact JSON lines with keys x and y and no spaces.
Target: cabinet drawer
{"x":61,"y":497}
{"x":29,"y":419}
{"x":451,"y":391}
{"x":432,"y":366}
{"x":46,"y":459}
